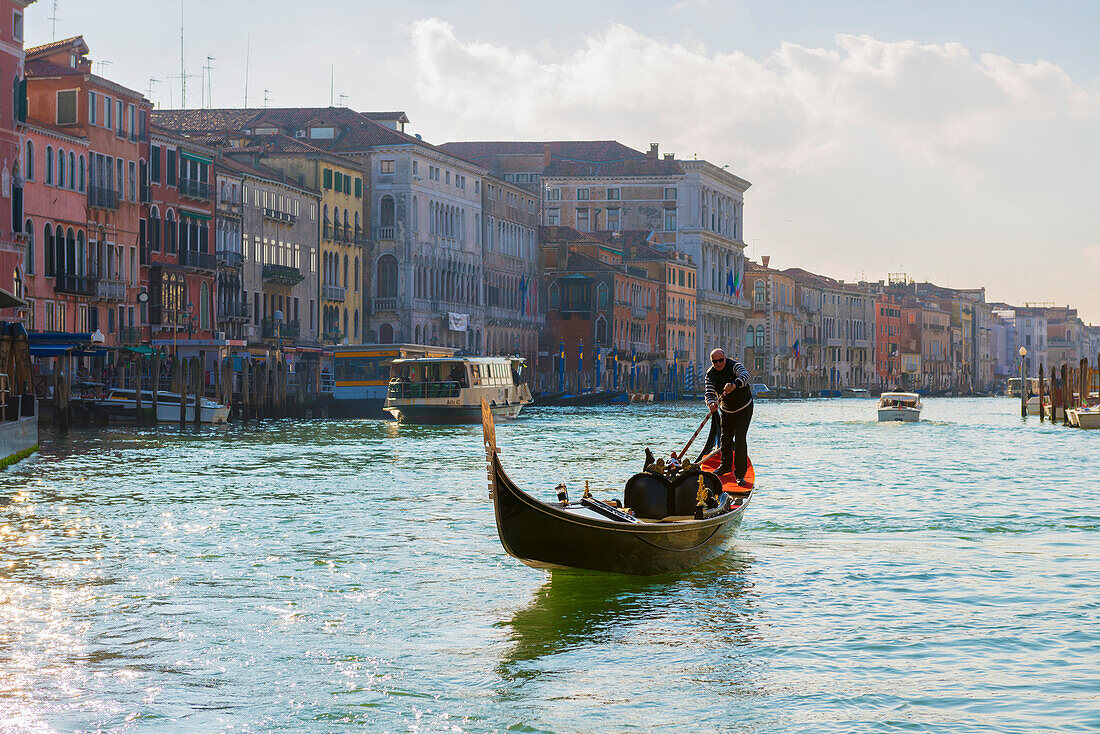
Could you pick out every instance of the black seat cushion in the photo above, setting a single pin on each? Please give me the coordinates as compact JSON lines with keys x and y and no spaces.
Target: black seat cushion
{"x":653,"y":497}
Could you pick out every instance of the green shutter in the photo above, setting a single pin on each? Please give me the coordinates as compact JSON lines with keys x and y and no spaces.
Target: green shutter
{"x":359,"y":188}
{"x":22,"y":100}
{"x":328,"y":178}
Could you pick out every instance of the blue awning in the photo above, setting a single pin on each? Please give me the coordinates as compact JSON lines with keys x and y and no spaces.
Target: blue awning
{"x":51,"y":350}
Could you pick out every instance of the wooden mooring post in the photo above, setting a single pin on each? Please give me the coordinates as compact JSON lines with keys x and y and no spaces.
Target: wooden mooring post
{"x":154,"y":380}
{"x":1041,"y":391}
{"x":138,"y":360}
{"x":181,"y":377}
{"x":246,"y":394}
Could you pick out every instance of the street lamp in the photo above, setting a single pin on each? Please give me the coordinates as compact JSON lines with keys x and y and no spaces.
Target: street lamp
{"x":1023,"y":384}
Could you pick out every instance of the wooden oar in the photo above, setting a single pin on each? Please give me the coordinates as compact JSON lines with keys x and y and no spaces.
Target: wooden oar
{"x":680,"y":456}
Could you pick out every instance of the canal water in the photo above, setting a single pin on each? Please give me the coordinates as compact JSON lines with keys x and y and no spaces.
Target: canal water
{"x":346,"y":576}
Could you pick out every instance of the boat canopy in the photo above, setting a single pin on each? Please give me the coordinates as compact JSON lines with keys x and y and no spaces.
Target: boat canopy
{"x":909,"y":396}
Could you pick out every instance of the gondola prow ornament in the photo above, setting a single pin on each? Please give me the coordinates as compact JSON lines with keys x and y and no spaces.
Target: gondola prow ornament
{"x":489,"y":432}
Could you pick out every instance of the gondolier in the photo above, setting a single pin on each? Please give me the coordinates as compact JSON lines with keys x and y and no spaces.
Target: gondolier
{"x":727,"y":389}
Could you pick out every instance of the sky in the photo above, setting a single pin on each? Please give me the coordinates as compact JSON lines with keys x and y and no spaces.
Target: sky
{"x":957,"y":142}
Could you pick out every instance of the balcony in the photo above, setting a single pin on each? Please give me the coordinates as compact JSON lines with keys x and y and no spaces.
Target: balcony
{"x":193,"y":189}
{"x":230,"y":258}
{"x":279,"y":216}
{"x":383,"y":233}
{"x":129,"y":335}
{"x":197,"y":260}
{"x":282,"y":275}
{"x":102,"y":197}
{"x":288,"y":330}
{"x":326,"y":231}
{"x":332,"y":292}
{"x":639,"y":313}
{"x":682,"y":355}
{"x":234,"y":311}
{"x":385,"y":304}
{"x":121,"y":132}
{"x":110,"y":290}
{"x":80,"y":285}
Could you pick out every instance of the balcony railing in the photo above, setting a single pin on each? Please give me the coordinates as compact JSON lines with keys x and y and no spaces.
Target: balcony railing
{"x":282,"y":275}
{"x":195,"y":189}
{"x":110,"y":290}
{"x":80,"y":285}
{"x":144,"y":193}
{"x":682,"y":355}
{"x":383,"y":233}
{"x":326,"y":231}
{"x":332,"y":292}
{"x":129,"y":335}
{"x":385,"y":304}
{"x":198,"y":260}
{"x":102,"y":197}
{"x":639,"y":313}
{"x":288,"y":330}
{"x":279,"y":216}
{"x":230,"y":258}
{"x":233,"y":311}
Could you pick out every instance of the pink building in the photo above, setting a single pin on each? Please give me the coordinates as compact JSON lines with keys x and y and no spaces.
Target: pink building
{"x":55,"y":220}
{"x":13,"y":111}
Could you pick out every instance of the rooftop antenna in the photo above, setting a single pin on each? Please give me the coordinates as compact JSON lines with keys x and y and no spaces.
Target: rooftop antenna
{"x":266,"y":96}
{"x":331,"y":83}
{"x":183,"y":71}
{"x":103,"y":64}
{"x":342,"y":98}
{"x":208,"y":98}
{"x":247,"y":55}
{"x":53,"y":22}
{"x":149,"y":93}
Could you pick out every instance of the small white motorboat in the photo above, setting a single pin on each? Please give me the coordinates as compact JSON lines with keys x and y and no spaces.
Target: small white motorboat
{"x":1086,"y":417}
{"x":899,"y":406}
{"x":124,"y":403}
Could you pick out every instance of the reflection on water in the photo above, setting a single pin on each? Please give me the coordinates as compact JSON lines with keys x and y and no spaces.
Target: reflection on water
{"x":346,"y":575}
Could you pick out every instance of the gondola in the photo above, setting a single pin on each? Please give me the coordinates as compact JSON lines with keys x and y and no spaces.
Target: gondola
{"x":675,"y":523}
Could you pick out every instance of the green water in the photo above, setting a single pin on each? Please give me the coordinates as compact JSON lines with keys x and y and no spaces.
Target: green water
{"x":346,"y":576}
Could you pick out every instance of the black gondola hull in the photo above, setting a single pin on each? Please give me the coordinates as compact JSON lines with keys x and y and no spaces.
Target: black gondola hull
{"x":545,"y":536}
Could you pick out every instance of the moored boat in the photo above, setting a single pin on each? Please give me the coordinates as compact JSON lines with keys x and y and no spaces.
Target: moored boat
{"x":899,"y":406}
{"x":1086,"y":417}
{"x":122,"y":403}
{"x":664,"y":524}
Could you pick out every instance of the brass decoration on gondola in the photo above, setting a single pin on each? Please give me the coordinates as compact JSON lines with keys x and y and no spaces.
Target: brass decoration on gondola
{"x":701,"y":494}
{"x":586,"y":492}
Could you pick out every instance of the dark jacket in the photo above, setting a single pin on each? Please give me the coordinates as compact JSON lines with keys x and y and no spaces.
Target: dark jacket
{"x":734,"y":373}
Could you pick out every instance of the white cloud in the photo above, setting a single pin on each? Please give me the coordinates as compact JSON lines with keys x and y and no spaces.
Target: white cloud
{"x":869,"y":152}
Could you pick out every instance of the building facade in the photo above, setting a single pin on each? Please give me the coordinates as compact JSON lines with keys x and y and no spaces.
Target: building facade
{"x":13,"y":115}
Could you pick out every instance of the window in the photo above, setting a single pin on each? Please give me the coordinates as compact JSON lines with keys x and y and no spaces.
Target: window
{"x":582,"y":194}
{"x":670,"y":220}
{"x":613,"y":219}
{"x":17,"y":26}
{"x":358,"y":188}
{"x":322,"y":133}
{"x":107,"y":112}
{"x":758,"y":291}
{"x":553,"y":217}
{"x":118,"y":115}
{"x":387,"y":167}
{"x":670,"y":194}
{"x":154,"y":163}
{"x":66,"y":107}
{"x":72,"y":170}
{"x":28,"y":161}
{"x":170,"y":168}
{"x":49,"y":165}
{"x":613,"y":194}
{"x":416,"y":168}
{"x":28,"y":260}
{"x":582,"y":220}
{"x":553,"y":194}
{"x":93,"y":115}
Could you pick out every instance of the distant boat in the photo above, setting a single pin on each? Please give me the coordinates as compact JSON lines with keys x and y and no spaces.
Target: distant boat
{"x":855,"y":392}
{"x":122,"y":403}
{"x":899,"y":406}
{"x":450,"y":389}
{"x":597,"y":397}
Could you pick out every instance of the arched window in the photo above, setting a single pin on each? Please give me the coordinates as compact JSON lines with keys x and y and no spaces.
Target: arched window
{"x":345,"y":267}
{"x":387,"y":277}
{"x":760,"y":337}
{"x":72,"y":170}
{"x":554,"y":295}
{"x":69,"y":266}
{"x":750,"y":338}
{"x":169,"y":232}
{"x":759,"y":291}
{"x":204,"y":305}
{"x":60,"y":167}
{"x":345,"y":332}
{"x":601,"y":296}
{"x":49,"y":165}
{"x":387,"y":212}
{"x":81,"y":172}
{"x":385,"y":334}
{"x":47,"y":248}
{"x":28,"y":260}
{"x":601,"y":330}
{"x":355,"y":333}
{"x":81,"y":258}
{"x":355,"y":277}
{"x":28,"y":161}
{"x":336,"y":221}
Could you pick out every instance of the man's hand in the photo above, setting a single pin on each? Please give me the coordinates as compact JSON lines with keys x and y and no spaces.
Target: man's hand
{"x":713,"y":407}
{"x":728,"y":388}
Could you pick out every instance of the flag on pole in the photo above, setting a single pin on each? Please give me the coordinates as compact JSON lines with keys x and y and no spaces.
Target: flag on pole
{"x":794,"y":348}
{"x":729,"y":282}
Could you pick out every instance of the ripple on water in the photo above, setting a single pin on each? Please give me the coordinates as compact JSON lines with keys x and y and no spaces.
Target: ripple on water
{"x":325,"y":576}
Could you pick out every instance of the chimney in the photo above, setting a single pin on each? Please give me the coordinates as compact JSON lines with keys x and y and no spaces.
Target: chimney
{"x":765,"y":259}
{"x":669,"y":156}
{"x":545,"y":156}
{"x":652,"y":154}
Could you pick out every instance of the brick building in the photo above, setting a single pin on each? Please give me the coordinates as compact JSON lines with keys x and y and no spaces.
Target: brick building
{"x":13,"y":239}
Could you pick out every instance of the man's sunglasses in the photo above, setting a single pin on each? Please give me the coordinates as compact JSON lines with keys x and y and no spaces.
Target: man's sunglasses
{"x":719,"y":361}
